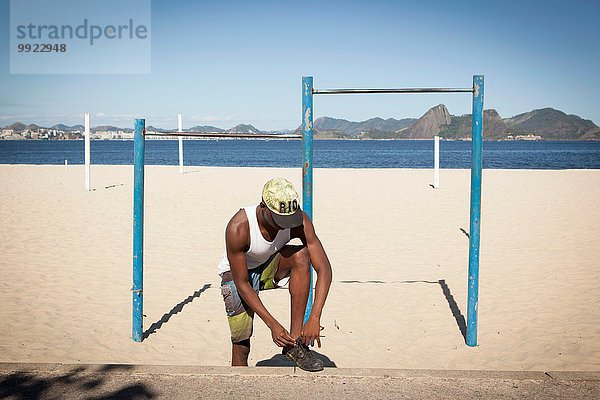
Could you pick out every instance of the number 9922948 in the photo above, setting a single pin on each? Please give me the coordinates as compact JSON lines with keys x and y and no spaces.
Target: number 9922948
{"x":41,"y":48}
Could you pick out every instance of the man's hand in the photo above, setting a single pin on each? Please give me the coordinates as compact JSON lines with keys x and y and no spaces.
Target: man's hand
{"x":281,"y":337}
{"x":311,"y":332}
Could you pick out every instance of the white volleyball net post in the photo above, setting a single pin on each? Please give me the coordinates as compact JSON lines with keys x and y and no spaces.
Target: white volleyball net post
{"x":180,"y":130}
{"x":87,"y":151}
{"x":436,"y":162}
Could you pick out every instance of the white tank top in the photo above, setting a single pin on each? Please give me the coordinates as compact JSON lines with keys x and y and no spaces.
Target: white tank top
{"x":260,"y":249}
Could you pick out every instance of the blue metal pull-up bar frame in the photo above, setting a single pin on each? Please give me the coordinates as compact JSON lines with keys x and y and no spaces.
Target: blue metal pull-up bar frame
{"x":475,"y":210}
{"x":307,"y":192}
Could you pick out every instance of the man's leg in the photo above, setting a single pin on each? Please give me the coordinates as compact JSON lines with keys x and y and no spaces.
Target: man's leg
{"x":239,"y":353}
{"x":240,"y":320}
{"x":295,"y":263}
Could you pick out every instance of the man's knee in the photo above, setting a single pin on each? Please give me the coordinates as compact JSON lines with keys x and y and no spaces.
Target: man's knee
{"x":242,"y":346}
{"x":301,"y":258}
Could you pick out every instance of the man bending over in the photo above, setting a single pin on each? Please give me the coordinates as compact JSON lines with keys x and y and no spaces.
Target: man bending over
{"x":258,"y":257}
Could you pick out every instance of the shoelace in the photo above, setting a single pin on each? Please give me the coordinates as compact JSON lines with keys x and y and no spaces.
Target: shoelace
{"x":296,"y":356}
{"x":300,"y":347}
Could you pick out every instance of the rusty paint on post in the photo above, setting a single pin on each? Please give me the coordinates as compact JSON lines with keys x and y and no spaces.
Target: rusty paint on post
{"x":476,"y":168}
{"x":138,"y":229}
{"x":307,"y":163}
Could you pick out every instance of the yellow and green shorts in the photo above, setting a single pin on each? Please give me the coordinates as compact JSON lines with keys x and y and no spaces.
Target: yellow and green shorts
{"x":239,"y":314}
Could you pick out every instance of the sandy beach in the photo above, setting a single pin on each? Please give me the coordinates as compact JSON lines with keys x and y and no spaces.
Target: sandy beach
{"x":398,"y":249}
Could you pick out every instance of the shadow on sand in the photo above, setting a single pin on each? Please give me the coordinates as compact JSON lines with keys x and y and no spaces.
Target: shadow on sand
{"x":176,"y":309}
{"x":458,"y":317}
{"x":454,"y":309}
{"x":279,"y":360}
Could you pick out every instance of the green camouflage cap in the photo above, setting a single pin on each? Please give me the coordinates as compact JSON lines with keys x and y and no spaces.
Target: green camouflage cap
{"x":283,"y":201}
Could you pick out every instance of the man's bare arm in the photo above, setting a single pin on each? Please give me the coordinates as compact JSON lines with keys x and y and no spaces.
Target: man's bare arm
{"x":322,"y":267}
{"x":236,"y":240}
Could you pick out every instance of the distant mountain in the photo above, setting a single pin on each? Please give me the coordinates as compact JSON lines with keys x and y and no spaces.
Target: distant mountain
{"x":383,"y":125}
{"x":552,"y":124}
{"x":155,"y":129}
{"x":243,"y":128}
{"x":429,"y":124}
{"x":328,"y":124}
{"x":17,"y":126}
{"x":61,"y":127}
{"x":460,"y":127}
{"x":327,"y":127}
{"x":548,"y":123}
{"x":110,"y":128}
{"x":66,"y":128}
{"x":204,"y":128}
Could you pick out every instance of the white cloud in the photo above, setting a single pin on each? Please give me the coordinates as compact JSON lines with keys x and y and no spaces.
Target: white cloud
{"x":18,"y":116}
{"x":210,"y":118}
{"x":127,"y":116}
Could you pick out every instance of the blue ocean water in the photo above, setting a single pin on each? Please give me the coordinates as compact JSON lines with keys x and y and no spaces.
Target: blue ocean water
{"x":327,"y":153}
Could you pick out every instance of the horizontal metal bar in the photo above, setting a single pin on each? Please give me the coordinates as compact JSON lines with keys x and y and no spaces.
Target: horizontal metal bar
{"x":406,"y":90}
{"x":225,"y":135}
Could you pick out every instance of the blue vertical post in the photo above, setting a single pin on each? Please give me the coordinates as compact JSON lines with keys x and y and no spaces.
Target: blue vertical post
{"x":307,"y":165}
{"x":473,"y":284}
{"x":138,"y":228}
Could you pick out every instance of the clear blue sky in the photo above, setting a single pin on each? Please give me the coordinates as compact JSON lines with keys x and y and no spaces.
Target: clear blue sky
{"x":227,"y":62}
